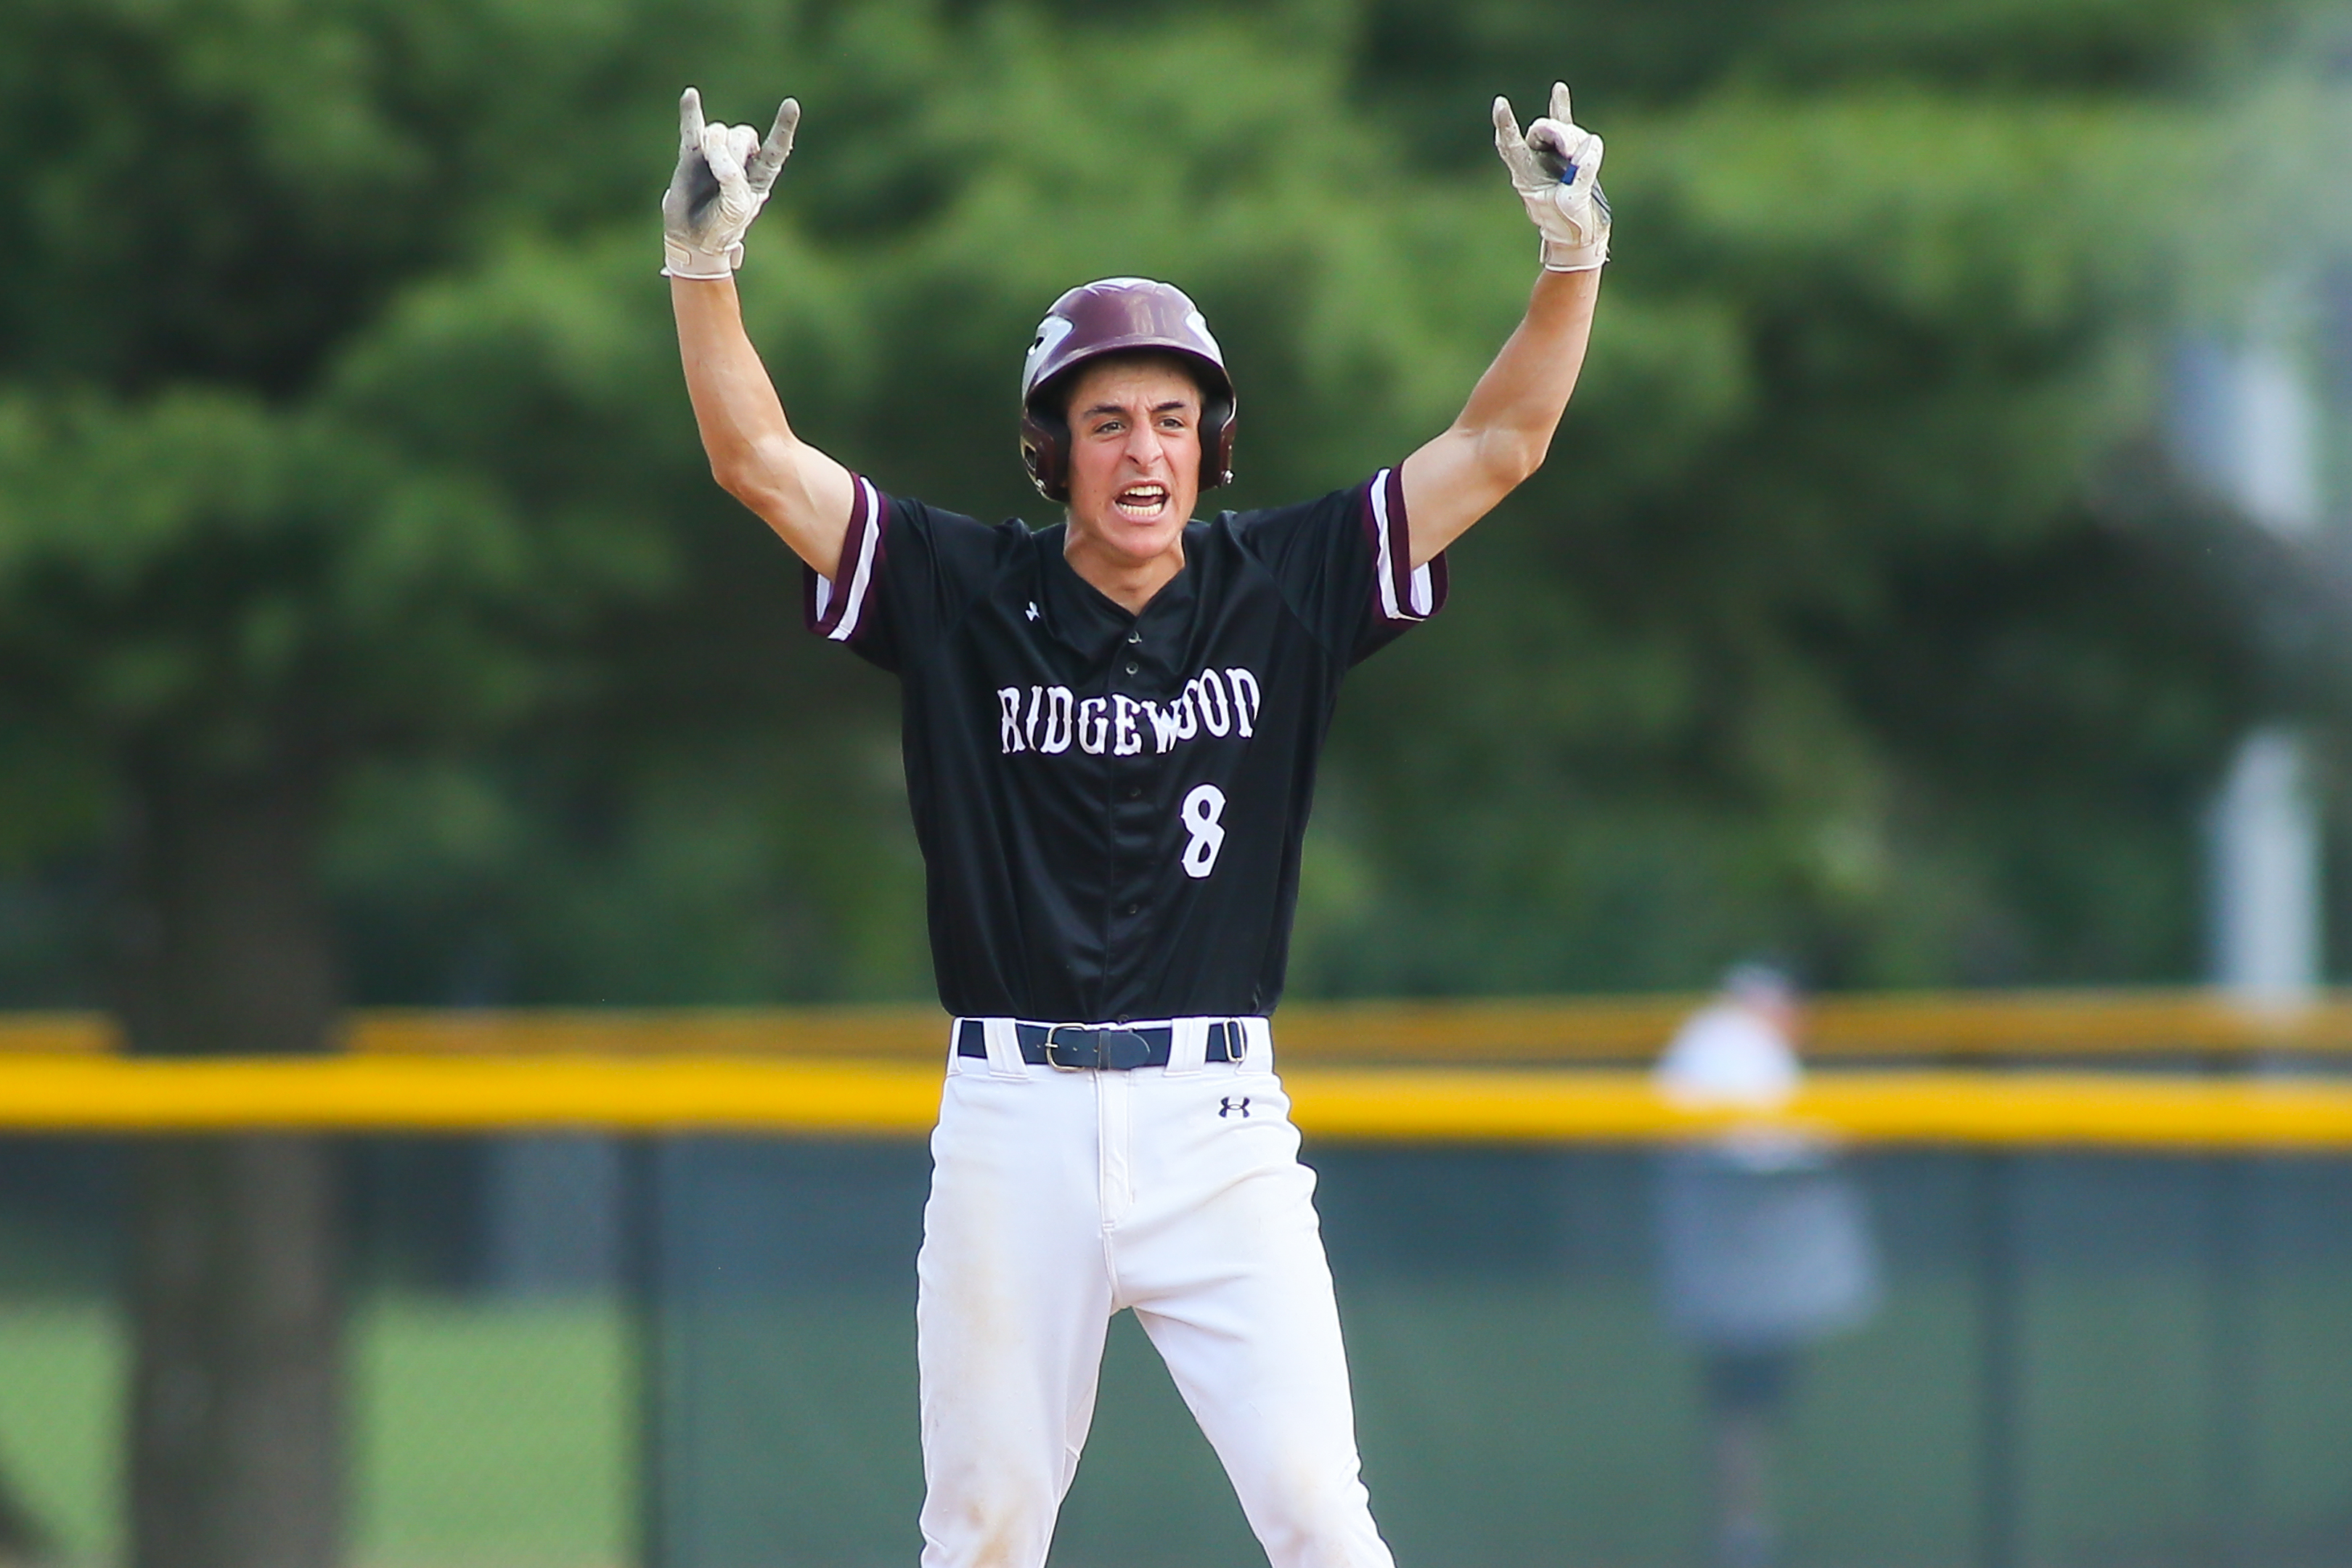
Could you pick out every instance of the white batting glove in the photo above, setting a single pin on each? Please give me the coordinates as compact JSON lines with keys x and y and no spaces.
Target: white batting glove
{"x":724,"y":174}
{"x":1556,"y":168}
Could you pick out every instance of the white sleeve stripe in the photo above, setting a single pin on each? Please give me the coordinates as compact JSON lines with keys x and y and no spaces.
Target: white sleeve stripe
{"x":1418,"y":599}
{"x":1383,"y":567}
{"x":866,"y":518}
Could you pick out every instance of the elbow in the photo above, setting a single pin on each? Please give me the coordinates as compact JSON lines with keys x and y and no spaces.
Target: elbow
{"x":732,"y":474}
{"x":770,"y":497}
{"x":756,"y":491}
{"x":761,"y":474}
{"x":749,"y":479}
{"x":1511,"y":458}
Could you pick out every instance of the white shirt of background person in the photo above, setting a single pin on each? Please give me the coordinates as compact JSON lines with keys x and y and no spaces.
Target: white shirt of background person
{"x":1739,"y":1051}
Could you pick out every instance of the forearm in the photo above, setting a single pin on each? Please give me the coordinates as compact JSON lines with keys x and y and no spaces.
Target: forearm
{"x":1517,"y":403}
{"x":1504,"y":430}
{"x":796,"y":489}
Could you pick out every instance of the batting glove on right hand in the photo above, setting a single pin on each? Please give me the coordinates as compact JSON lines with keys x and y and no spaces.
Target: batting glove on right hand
{"x":1556,"y":168}
{"x":724,"y":174}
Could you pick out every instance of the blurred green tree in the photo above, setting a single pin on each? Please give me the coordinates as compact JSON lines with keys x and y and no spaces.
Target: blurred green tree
{"x":1824,"y":629}
{"x":236,"y":554}
{"x":1862,"y":619}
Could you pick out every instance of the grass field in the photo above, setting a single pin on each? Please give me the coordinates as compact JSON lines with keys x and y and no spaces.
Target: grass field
{"x":488,"y":1435}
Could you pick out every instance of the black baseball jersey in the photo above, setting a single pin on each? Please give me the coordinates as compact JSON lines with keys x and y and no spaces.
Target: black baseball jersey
{"x":1111,"y":805}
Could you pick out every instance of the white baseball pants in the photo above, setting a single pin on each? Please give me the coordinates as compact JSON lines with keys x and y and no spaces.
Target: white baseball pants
{"x":1058,"y":1198}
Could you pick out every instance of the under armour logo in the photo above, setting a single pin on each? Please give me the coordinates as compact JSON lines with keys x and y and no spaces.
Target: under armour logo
{"x":1227,"y":1105}
{"x":1033,"y":609}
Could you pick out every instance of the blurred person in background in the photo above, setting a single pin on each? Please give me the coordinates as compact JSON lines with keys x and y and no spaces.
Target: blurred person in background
{"x":1764,"y":1245}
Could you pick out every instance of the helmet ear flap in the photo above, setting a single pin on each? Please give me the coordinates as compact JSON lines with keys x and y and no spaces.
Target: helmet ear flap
{"x":1045,"y":453}
{"x":1217,"y":442}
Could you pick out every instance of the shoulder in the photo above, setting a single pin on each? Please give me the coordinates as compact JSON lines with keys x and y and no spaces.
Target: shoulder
{"x":1365,"y":519}
{"x":1350,"y":503}
{"x":912,"y":511}
{"x":1342,"y":562}
{"x":908,"y":525}
{"x":918,"y":562}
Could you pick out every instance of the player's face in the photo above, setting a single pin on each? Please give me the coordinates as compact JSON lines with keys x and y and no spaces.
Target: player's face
{"x":1135,"y":459}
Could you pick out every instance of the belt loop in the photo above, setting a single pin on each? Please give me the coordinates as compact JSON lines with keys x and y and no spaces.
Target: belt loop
{"x":1187,"y":1047}
{"x":1003,"y":1048}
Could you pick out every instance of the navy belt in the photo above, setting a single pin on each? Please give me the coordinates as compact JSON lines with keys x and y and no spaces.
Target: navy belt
{"x":1074,"y":1047}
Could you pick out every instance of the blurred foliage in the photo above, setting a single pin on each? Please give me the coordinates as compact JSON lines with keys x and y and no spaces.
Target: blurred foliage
{"x":337,"y":406}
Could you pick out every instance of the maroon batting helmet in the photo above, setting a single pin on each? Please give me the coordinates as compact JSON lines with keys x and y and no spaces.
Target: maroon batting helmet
{"x":1118,"y":315}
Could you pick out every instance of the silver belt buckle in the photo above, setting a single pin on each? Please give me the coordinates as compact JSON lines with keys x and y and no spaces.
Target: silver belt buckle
{"x":1055,"y":1061}
{"x":1236,"y":1042}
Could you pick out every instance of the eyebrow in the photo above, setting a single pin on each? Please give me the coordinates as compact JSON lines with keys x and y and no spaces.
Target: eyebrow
{"x":1180,"y":403}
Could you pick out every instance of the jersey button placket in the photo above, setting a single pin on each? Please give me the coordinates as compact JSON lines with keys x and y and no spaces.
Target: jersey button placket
{"x":1131,"y":837}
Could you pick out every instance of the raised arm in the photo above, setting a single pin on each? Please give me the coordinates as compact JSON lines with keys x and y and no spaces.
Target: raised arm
{"x":1502,"y":432}
{"x":724,"y":174}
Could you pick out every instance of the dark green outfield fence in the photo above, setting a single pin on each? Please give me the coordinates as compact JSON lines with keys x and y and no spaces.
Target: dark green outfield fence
{"x":2080,"y":1360}
{"x":699,"y":1353}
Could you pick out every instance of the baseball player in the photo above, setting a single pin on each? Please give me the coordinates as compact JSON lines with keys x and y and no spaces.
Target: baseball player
{"x":1110,"y":732}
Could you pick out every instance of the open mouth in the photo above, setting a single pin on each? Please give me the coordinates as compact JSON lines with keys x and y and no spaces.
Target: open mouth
{"x":1141,"y":503}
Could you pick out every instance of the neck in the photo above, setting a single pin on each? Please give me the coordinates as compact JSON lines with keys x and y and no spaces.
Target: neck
{"x":1126,"y":581}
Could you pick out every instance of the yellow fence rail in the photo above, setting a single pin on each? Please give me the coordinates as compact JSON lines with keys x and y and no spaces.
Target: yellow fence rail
{"x":1479,"y":1072}
{"x":384,"y":1093}
{"x":1945,"y":1027}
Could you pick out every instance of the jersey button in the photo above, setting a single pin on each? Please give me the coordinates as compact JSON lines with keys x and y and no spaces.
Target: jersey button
{"x":1135,"y":637}
{"x":1133,"y":909}
{"x":1135,"y":792}
{"x":1132,"y":666}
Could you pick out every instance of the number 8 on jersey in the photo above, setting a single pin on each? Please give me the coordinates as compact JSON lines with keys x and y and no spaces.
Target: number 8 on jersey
{"x":1203,"y":809}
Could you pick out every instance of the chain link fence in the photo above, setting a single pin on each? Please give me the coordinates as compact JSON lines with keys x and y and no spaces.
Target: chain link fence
{"x":2076,"y":1359}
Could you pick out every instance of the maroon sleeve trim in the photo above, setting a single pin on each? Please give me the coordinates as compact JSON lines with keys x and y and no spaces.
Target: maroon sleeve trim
{"x":1400,"y":591}
{"x":839,"y":605}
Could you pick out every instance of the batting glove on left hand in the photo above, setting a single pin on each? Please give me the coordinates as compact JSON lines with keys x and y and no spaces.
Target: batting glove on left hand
{"x":724,"y":174}
{"x":1556,"y":168}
